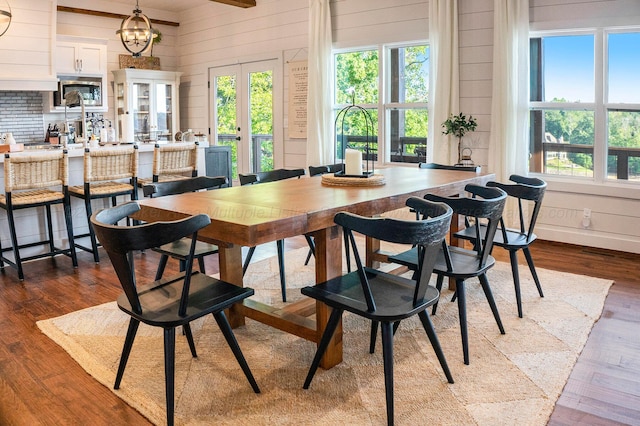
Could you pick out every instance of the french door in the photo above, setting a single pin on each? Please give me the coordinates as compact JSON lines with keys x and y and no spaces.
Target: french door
{"x":245,"y":109}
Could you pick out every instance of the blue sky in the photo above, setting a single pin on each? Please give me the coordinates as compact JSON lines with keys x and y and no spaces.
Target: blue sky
{"x":569,"y":68}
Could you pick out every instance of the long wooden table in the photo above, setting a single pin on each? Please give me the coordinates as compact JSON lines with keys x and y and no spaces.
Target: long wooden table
{"x":256,"y":214}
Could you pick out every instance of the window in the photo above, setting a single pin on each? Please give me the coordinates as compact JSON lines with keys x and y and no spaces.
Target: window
{"x":585,"y":102}
{"x":396,"y":100}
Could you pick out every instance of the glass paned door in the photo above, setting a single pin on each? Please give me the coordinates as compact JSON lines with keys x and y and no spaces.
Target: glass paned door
{"x":163,"y":112}
{"x":141,"y":119}
{"x":243,"y":115}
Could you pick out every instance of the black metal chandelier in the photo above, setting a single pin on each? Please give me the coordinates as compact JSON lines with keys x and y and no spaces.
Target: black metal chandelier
{"x":135,"y":32}
{"x":5,"y":16}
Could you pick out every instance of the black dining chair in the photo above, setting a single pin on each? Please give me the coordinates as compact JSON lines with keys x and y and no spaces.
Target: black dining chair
{"x":272,"y":176}
{"x":383,"y":297}
{"x":529,"y":192}
{"x":172,"y":301}
{"x":460,"y":263}
{"x":179,"y":249}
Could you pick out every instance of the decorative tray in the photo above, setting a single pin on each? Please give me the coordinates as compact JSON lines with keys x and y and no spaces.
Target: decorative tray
{"x":373,"y":180}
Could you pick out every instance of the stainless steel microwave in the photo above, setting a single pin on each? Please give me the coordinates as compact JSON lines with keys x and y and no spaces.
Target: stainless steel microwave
{"x":89,"y":87}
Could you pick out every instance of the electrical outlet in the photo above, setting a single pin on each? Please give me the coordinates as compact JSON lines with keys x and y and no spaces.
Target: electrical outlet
{"x":587,"y":213}
{"x":586,"y":218}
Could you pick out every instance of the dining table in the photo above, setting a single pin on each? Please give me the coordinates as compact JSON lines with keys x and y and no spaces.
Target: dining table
{"x":246,"y":216}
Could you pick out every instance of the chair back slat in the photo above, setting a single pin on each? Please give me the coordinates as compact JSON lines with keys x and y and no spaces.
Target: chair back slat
{"x":35,"y":171}
{"x":176,"y":158}
{"x":105,"y":164}
{"x":475,"y":169}
{"x":330,"y":168}
{"x":270,"y":176}
{"x":485,"y":203}
{"x":427,"y":234}
{"x":160,"y":189}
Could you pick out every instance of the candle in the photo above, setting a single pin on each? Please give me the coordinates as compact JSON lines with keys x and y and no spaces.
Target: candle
{"x":353,"y":162}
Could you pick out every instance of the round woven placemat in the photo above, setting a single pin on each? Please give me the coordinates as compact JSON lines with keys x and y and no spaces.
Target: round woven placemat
{"x":374,"y":180}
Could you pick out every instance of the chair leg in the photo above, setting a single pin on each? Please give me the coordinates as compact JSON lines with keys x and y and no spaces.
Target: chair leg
{"x":52,"y":248}
{"x":14,"y":241}
{"x":439,"y":282}
{"x":92,"y":234}
{"x":492,"y":303}
{"x":347,"y":250}
{"x":126,"y":350}
{"x":427,"y":324}
{"x":332,"y":324}
{"x":312,"y":249}
{"x":513,"y":256}
{"x":462,"y":315}
{"x":169,"y":371}
{"x":161,"y":265}
{"x":283,"y":286}
{"x":186,"y":329}
{"x":248,"y":260}
{"x":387,"y":357}
{"x":532,"y":268}
{"x":374,"y":335}
{"x":201,"y":264}
{"x":223,"y":323}
{"x":69,"y":224}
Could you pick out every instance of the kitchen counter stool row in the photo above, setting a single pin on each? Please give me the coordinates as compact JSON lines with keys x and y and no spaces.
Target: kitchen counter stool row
{"x":41,"y":180}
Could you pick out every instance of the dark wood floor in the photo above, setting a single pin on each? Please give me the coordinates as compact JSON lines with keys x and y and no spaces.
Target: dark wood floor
{"x":41,"y":385}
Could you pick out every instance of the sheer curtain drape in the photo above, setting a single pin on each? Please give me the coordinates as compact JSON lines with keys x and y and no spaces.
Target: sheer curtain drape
{"x":508,"y":151}
{"x":320,"y":146}
{"x":443,"y":77}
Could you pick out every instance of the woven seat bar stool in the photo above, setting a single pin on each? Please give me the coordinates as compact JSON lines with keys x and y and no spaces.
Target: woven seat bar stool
{"x":28,"y":183}
{"x":108,"y":173}
{"x":175,"y":161}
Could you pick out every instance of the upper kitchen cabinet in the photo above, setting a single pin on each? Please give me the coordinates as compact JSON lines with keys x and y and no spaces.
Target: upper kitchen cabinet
{"x":146,"y":104}
{"x":81,"y":56}
{"x":26,"y":49}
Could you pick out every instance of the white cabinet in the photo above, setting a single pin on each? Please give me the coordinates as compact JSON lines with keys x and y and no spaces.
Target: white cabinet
{"x":81,"y":58}
{"x":146,"y":104}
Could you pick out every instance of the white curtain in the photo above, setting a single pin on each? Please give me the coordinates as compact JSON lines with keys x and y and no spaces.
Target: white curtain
{"x":508,"y":152}
{"x":320,"y":146}
{"x":443,"y":78}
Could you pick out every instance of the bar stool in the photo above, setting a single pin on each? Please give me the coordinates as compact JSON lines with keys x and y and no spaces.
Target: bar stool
{"x":104,"y":172}
{"x":175,"y":161}
{"x":27,"y":183}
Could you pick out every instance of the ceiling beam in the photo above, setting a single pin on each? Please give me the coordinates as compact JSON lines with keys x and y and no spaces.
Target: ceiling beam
{"x":239,"y":3}
{"x":110,"y":15}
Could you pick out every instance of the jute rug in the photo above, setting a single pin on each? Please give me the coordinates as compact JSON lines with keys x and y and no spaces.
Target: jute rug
{"x":513,"y":379}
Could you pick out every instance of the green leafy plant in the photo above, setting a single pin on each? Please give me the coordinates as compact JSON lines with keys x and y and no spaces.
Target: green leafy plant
{"x":458,"y":126}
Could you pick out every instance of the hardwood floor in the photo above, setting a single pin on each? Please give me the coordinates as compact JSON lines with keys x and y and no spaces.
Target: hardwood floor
{"x":41,"y":385}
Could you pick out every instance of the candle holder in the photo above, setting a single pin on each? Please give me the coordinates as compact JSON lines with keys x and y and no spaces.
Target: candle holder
{"x":351,"y":157}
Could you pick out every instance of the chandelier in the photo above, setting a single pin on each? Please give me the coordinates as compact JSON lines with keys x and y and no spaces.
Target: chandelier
{"x":135,"y":32}
{"x":5,"y":16}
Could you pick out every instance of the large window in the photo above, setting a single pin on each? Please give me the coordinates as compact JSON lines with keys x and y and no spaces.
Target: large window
{"x":391,"y":83}
{"x":585,"y":105}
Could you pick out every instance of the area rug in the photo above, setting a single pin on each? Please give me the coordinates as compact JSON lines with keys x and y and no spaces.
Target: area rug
{"x":513,"y":379}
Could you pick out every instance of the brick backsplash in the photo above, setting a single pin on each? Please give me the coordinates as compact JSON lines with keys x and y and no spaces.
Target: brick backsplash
{"x":21,"y":114}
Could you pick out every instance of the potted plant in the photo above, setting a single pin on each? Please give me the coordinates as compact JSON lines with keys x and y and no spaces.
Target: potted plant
{"x":459,"y":125}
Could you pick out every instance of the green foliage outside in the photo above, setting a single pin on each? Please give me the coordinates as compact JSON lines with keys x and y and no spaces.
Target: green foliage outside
{"x":578,"y":128}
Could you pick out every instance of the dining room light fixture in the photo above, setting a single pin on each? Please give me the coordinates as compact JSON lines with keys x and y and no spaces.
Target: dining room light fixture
{"x":5,"y":16}
{"x":135,"y":32}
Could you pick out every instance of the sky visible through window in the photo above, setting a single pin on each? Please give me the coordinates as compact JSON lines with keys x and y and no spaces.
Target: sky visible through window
{"x":569,"y":68}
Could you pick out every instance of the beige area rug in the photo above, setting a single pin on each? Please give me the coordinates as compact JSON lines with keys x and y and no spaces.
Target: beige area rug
{"x":513,"y":379}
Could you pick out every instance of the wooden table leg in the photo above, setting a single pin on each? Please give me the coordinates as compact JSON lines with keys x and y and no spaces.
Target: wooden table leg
{"x":328,"y":243}
{"x":230,"y":259}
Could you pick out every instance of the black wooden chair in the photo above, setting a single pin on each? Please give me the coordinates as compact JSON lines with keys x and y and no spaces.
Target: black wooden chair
{"x":170,"y":302}
{"x":475,"y":169}
{"x":529,"y":192}
{"x":272,"y":176}
{"x":179,"y":249}
{"x":321,"y":170}
{"x":384,"y":297}
{"x":459,"y":263}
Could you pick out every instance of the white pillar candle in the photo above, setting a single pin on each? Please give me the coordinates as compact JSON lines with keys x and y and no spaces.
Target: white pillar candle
{"x":353,"y":162}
